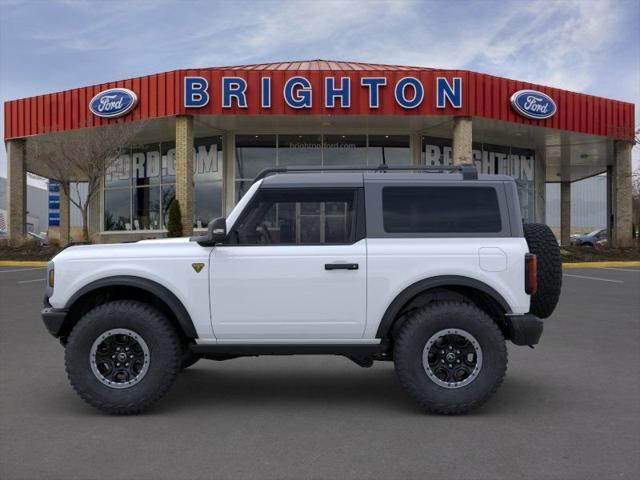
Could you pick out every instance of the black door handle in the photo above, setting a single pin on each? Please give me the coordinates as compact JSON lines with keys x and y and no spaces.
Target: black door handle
{"x":341,"y":266}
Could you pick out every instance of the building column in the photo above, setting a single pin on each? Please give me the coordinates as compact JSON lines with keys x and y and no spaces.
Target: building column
{"x":565,"y":213}
{"x":184,"y":171}
{"x":16,"y":190}
{"x":540,"y":185}
{"x":228,"y":172}
{"x":65,"y":219}
{"x":462,"y":140}
{"x":415,"y":147}
{"x":621,"y":194}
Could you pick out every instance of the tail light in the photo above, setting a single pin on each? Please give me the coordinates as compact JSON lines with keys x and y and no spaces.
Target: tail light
{"x":530,"y":273}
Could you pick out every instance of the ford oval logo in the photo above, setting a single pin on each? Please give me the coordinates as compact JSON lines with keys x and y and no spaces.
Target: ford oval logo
{"x":533,"y":104}
{"x":114,"y":102}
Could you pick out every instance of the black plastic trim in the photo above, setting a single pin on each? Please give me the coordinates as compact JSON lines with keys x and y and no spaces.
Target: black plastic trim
{"x":524,"y":329}
{"x":53,"y":319}
{"x":288,"y":349}
{"x":469,"y":171}
{"x":442,"y":281}
{"x":164,"y":294}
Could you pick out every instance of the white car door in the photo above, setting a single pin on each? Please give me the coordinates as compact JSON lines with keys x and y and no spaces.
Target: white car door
{"x":294,"y":268}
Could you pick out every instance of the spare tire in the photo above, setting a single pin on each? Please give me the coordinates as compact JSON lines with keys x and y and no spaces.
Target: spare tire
{"x":542,"y":243}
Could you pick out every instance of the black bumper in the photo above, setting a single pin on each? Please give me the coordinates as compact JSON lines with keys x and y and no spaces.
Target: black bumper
{"x":53,"y":319}
{"x":524,"y":329}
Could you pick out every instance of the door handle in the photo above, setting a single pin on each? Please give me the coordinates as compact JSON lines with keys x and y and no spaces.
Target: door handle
{"x":341,"y":266}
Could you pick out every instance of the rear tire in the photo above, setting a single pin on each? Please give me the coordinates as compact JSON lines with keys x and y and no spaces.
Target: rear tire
{"x":458,"y":323}
{"x":104,"y":344}
{"x":542,"y":242}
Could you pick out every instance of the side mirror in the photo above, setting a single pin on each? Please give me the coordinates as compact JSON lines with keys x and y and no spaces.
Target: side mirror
{"x":217,"y":230}
{"x":216,"y":233}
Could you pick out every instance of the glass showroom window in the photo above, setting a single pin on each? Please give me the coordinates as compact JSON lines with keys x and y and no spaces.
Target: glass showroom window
{"x":117,"y":194}
{"x":257,"y":152}
{"x":389,"y":149}
{"x":253,"y":154}
{"x":140,"y":185}
{"x":133,"y":187}
{"x":340,"y":150}
{"x":207,"y":177}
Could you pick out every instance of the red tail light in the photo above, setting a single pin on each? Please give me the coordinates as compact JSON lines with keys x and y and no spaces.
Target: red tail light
{"x":530,"y":273}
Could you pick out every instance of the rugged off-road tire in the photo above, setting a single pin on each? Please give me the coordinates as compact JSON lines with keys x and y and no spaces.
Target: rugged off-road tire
{"x":542,"y":242}
{"x":188,"y":358}
{"x":149,"y":327}
{"x":412,"y":341}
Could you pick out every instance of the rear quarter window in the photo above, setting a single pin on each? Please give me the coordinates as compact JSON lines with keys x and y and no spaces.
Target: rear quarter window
{"x":441,"y":209}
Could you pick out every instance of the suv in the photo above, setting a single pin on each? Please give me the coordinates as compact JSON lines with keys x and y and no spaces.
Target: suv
{"x":433,"y":271}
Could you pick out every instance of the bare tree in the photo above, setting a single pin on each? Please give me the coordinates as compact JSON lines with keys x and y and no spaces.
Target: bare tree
{"x":82,"y":156}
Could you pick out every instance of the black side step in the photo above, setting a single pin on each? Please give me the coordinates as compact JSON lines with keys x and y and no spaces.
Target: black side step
{"x":290,"y":349}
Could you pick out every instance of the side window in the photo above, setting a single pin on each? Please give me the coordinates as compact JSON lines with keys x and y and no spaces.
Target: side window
{"x":298,"y":217}
{"x":433,"y":209}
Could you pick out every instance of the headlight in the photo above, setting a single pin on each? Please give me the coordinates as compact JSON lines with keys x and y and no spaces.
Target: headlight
{"x":51,"y":277}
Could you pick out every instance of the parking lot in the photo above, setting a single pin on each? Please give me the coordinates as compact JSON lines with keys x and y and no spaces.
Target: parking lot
{"x":570,"y":409}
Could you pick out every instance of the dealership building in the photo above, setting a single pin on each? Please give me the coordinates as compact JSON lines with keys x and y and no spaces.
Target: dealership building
{"x":206,"y":133}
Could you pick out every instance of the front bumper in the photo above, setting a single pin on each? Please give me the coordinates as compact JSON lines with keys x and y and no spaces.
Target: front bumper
{"x":524,"y":329}
{"x":53,"y":319}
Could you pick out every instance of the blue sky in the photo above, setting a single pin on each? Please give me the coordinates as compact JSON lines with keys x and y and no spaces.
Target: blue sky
{"x":581,"y":45}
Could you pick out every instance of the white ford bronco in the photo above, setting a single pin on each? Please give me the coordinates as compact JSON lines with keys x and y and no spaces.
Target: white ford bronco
{"x":433,"y":271}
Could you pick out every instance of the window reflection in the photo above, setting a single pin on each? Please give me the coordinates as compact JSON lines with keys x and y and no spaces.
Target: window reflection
{"x":389,"y":149}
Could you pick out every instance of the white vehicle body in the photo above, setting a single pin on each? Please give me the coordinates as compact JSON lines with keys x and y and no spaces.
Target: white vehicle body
{"x":283,"y":294}
{"x":430,"y":271}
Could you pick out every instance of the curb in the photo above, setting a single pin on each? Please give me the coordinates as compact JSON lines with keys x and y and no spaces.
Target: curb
{"x":601,"y":264}
{"x":21,"y":263}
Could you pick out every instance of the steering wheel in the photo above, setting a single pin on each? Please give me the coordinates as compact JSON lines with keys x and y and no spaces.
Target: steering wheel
{"x":266,"y":234}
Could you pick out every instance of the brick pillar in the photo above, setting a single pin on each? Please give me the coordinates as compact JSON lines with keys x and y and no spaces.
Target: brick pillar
{"x":415,"y":144}
{"x":462,"y":140}
{"x":565,"y":213}
{"x":16,"y":190}
{"x":184,"y":171}
{"x":65,"y":219}
{"x":621,"y":186}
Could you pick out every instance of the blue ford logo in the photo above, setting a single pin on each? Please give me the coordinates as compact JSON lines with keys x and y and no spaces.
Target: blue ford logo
{"x":533,"y":104}
{"x":114,"y":102}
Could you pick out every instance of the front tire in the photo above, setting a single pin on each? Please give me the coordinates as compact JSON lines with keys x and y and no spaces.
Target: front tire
{"x":451,"y":357}
{"x":122,"y":357}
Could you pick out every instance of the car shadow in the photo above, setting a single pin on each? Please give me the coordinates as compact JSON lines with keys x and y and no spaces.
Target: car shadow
{"x":376,"y":389}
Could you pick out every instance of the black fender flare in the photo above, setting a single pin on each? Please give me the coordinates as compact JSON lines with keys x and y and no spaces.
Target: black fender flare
{"x":164,"y":294}
{"x":420,"y":286}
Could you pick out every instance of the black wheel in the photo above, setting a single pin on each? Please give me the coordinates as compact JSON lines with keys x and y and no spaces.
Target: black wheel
{"x":188,"y":358}
{"x":450,"y":356}
{"x":542,"y":242}
{"x":122,"y":357}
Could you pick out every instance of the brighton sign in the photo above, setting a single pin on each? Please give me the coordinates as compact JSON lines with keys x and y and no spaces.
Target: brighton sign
{"x":408,"y":92}
{"x":113,"y":103}
{"x":533,"y":104}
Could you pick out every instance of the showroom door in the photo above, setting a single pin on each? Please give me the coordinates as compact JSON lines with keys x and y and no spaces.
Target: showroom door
{"x":294,"y":268}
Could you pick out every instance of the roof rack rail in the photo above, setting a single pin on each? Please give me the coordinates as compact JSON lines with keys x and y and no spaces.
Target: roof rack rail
{"x":468,"y":170}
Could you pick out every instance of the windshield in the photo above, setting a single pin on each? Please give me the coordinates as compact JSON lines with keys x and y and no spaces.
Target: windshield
{"x":594,"y":233}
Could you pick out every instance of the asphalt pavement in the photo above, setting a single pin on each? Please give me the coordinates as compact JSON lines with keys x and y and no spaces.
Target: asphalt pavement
{"x":570,"y":409}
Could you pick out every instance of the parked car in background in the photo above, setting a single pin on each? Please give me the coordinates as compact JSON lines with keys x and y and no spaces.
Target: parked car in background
{"x":590,"y":239}
{"x":41,"y":239}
